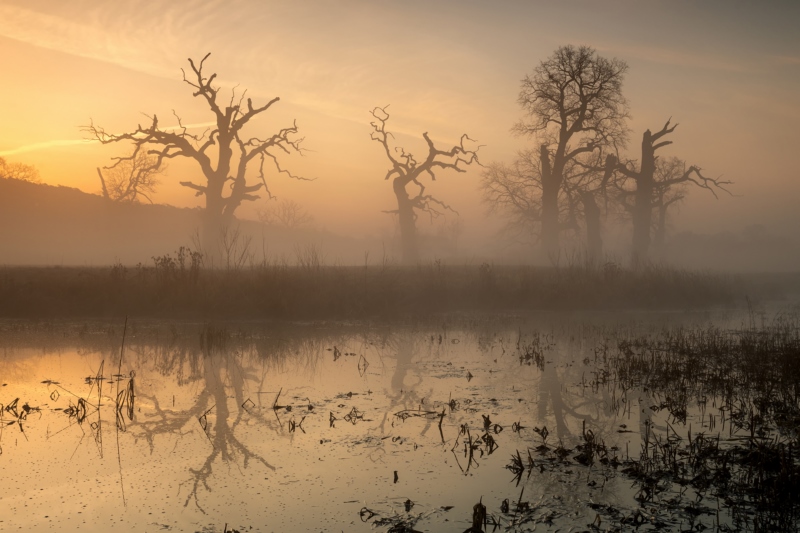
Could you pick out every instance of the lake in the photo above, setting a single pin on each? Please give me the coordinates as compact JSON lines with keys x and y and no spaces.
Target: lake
{"x":352,"y":427}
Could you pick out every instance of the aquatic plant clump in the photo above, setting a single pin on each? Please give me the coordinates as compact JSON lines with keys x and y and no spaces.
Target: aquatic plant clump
{"x":719,"y":415}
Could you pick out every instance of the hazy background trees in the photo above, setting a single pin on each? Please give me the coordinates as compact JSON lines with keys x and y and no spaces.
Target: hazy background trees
{"x":285,"y":214}
{"x":19,"y":171}
{"x":572,"y":189}
{"x":514,"y":191}
{"x":130,"y":179}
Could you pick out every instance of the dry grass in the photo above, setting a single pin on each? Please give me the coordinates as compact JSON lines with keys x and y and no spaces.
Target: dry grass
{"x":313,"y":291}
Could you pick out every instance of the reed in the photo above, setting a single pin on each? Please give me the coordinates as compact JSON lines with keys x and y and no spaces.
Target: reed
{"x":310,"y":290}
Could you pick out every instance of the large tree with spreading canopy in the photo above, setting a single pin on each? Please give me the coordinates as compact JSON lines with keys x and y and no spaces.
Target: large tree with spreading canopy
{"x":224,"y":153}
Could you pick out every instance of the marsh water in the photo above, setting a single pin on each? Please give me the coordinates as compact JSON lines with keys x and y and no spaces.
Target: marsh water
{"x":328,"y":427}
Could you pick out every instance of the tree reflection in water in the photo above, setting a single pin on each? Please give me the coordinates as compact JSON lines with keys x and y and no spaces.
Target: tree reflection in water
{"x":219,"y":409}
{"x":404,"y":395}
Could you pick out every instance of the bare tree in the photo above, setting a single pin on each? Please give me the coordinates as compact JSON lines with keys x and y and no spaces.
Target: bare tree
{"x":286,"y":214}
{"x":586,"y":186}
{"x":574,"y":106}
{"x":129,"y":179}
{"x":647,"y":188}
{"x":223,"y":153}
{"x":19,"y":171}
{"x":405,"y":170}
{"x":515,"y":191}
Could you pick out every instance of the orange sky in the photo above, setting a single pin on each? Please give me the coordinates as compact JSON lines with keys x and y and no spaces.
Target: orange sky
{"x":728,"y":72}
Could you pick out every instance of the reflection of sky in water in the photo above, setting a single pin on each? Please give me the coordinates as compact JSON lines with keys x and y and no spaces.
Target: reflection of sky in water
{"x":248,"y":468}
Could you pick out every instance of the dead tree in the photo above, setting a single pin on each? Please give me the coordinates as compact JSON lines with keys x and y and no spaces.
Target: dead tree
{"x":223,"y":153}
{"x":646,"y":188}
{"x":574,"y":106}
{"x":131,"y":178}
{"x":406,"y":170}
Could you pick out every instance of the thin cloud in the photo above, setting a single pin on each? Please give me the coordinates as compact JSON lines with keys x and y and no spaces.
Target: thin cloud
{"x":74,"y":38}
{"x":47,"y":145}
{"x":58,"y":143}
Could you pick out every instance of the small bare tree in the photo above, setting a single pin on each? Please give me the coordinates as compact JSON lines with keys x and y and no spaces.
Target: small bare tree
{"x":514,"y":191}
{"x":574,"y":106}
{"x":19,"y":171}
{"x":406,"y":170}
{"x":286,"y":214}
{"x":129,"y":179}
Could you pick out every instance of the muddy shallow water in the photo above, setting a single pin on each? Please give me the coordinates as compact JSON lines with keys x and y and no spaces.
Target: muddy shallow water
{"x":323,"y":428}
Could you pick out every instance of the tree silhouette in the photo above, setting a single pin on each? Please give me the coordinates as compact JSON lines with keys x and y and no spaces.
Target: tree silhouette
{"x":219,"y":409}
{"x":516,"y":191}
{"x":574,"y":106}
{"x":286,"y":214}
{"x":647,"y":189}
{"x":223,"y":153}
{"x":19,"y":171}
{"x":406,"y":170}
{"x":131,"y":178}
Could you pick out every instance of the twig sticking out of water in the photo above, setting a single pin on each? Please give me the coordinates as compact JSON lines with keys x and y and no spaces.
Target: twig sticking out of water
{"x":125,"y":397}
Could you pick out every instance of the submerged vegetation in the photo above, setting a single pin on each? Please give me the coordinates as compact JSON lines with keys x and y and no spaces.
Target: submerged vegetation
{"x":719,"y":412}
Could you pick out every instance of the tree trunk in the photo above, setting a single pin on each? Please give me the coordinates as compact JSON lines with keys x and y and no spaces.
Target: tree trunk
{"x":660,"y":233}
{"x":214,"y":221}
{"x":210,"y":235}
{"x":550,"y":223}
{"x":408,"y":228}
{"x":594,"y":240}
{"x":643,"y":202}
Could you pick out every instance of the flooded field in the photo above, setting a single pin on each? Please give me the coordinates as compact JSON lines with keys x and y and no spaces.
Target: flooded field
{"x":553,"y":423}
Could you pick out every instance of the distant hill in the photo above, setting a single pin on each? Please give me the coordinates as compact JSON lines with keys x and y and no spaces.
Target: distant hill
{"x":56,"y":225}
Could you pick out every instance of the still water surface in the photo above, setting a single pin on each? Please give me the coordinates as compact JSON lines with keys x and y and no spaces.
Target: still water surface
{"x":311,"y":427}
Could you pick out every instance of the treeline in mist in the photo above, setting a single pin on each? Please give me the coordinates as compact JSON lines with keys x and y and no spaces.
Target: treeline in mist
{"x":581,"y":174}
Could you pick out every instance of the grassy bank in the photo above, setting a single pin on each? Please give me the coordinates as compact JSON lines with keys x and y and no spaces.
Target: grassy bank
{"x":313,"y":292}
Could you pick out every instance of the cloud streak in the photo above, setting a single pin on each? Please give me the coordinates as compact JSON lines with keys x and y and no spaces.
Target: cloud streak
{"x":76,"y":38}
{"x":59,"y":143}
{"x":45,"y":145}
